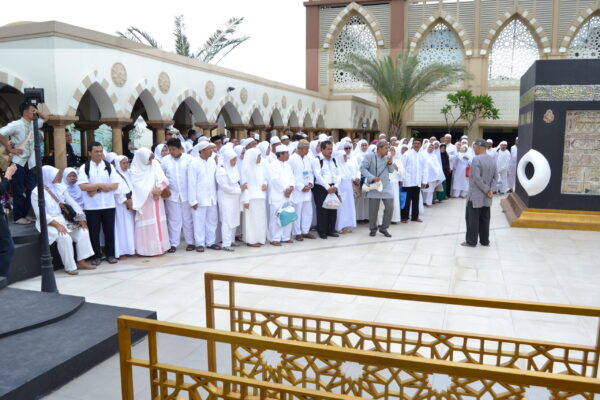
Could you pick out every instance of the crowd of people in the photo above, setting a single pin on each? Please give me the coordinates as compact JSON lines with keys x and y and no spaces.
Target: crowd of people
{"x":219,"y":192}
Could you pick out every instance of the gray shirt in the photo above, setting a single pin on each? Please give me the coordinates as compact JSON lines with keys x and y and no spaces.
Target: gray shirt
{"x":482,"y":179}
{"x":373,"y":166}
{"x":18,"y":132}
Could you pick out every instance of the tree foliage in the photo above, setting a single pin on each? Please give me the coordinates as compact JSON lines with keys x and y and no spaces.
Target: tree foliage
{"x":400,"y":82}
{"x":222,"y":42}
{"x":463,"y":105}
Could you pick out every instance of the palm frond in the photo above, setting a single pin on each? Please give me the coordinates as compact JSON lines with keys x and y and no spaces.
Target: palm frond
{"x":222,"y":41}
{"x":182,"y":44}
{"x":401,"y":82}
{"x":135,"y":34}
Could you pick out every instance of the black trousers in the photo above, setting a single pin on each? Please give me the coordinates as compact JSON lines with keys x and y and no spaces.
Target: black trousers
{"x":478,"y":224}
{"x":412,"y":196}
{"x":7,"y":248}
{"x":325,"y":218}
{"x":448,"y":175}
{"x":104,"y":218}
{"x":23,"y":182}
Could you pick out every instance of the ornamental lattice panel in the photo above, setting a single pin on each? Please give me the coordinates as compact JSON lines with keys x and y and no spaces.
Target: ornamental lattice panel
{"x":355,"y":38}
{"x":586,"y":43}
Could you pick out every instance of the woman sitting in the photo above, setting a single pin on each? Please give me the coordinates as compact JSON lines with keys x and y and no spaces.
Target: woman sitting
{"x":149,"y":181}
{"x":69,"y":179}
{"x":60,"y":230}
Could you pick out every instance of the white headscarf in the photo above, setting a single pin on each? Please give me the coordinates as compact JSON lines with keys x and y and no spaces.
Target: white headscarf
{"x":110,"y":157}
{"x":254,"y":174}
{"x":434,"y":170}
{"x":264,"y":147}
{"x":158,"y":150}
{"x":187,"y":146}
{"x":233,"y":173}
{"x":144,"y":177}
{"x":73,"y":190}
{"x":48,"y":175}
{"x":126,"y":175}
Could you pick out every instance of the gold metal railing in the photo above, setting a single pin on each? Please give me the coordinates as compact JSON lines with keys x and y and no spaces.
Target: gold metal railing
{"x":315,"y":371}
{"x":526,"y":355}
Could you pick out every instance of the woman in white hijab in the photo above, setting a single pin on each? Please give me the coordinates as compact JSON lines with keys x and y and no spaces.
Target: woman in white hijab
{"x":434,"y":173}
{"x":149,"y":181}
{"x":349,"y":172}
{"x":361,"y":203}
{"x":254,"y":198}
{"x":460,"y":180}
{"x":161,"y":151}
{"x":69,"y":179}
{"x":60,"y":230}
{"x":124,"y":216}
{"x":228,"y":197}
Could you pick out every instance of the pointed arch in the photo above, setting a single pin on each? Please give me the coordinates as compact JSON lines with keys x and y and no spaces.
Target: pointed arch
{"x":340,"y":20}
{"x":450,"y":21}
{"x":276,"y":119}
{"x":254,"y":116}
{"x":534,"y":26}
{"x":374,"y":125}
{"x":230,"y":106}
{"x":102,"y":92}
{"x":292,"y":120}
{"x":307,"y":121}
{"x":320,"y":122}
{"x":579,"y":22}
{"x":191,"y":99}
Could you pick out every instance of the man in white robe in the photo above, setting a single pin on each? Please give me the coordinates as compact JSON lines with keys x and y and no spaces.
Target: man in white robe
{"x":491,"y":150}
{"x":281,"y":187}
{"x":177,"y":207}
{"x":302,"y":167}
{"x":512,"y":170}
{"x":502,"y":165}
{"x":202,"y":197}
{"x":274,"y":142}
{"x":450,"y":148}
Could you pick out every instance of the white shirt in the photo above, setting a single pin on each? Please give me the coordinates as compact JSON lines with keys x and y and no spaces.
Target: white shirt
{"x":17,"y":132}
{"x":327,"y":174}
{"x":302,"y":167}
{"x":503,"y":160}
{"x":176,"y":171}
{"x":282,"y":178}
{"x":98,"y":174}
{"x":414,"y":169}
{"x":513,"y":155}
{"x":202,"y":184}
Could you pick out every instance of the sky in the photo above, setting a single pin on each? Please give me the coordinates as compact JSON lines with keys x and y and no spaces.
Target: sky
{"x":277,"y":28}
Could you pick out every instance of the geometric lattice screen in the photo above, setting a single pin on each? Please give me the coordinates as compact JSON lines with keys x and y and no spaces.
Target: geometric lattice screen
{"x":441,"y":46}
{"x":586,"y":43}
{"x":512,"y":54}
{"x":355,"y":38}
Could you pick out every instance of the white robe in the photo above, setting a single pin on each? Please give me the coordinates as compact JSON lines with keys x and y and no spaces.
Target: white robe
{"x":346,"y":214}
{"x":460,"y":182}
{"x":228,"y":196}
{"x":281,"y":177}
{"x":502,"y":165}
{"x":255,"y":216}
{"x":177,"y":207}
{"x":304,"y":174}
{"x":124,"y":222}
{"x":512,"y":170}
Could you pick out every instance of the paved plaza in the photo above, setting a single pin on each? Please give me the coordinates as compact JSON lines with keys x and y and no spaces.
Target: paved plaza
{"x":521,"y":264}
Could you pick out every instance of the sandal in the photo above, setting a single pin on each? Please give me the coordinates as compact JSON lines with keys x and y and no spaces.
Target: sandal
{"x":200,"y":249}
{"x":190,"y":247}
{"x":215,"y":247}
{"x":23,"y":221}
{"x":172,"y":250}
{"x":112,"y":260}
{"x":227,"y":249}
{"x":96,"y":262}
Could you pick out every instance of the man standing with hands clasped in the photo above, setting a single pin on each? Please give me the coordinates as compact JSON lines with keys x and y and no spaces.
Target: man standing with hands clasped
{"x":377,"y":167}
{"x":482,"y":180}
{"x":327,"y":179}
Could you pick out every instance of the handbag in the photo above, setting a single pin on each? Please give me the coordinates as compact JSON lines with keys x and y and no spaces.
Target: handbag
{"x":286,"y":214}
{"x":468,"y":171}
{"x":67,"y":211}
{"x":166,"y":193}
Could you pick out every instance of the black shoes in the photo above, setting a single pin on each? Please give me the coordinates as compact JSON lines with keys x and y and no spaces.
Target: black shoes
{"x":333,"y":234}
{"x":385,"y":233}
{"x":372,"y":233}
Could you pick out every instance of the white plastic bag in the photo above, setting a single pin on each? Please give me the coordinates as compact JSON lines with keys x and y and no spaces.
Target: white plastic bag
{"x":377,"y":186}
{"x":332,"y":202}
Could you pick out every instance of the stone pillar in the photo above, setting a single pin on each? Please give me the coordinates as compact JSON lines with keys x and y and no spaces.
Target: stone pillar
{"x":116,"y":124}
{"x":206,"y":128}
{"x":160,"y":129}
{"x":58,"y":123}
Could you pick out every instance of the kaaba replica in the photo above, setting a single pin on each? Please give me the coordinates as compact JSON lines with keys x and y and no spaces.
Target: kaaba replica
{"x":559,"y":147}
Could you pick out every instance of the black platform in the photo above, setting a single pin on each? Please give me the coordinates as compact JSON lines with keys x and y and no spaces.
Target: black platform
{"x":26,"y":262}
{"x":48,"y":339}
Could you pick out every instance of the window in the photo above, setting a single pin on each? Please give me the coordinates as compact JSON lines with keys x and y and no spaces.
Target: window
{"x":512,"y":54}
{"x":441,"y":46}
{"x":586,"y":43}
{"x":355,"y":38}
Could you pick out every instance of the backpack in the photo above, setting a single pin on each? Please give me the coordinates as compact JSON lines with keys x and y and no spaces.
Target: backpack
{"x":106,"y":166}
{"x":333,"y":159}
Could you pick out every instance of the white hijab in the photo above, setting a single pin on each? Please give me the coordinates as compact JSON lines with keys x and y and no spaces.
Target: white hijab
{"x":233,"y":173}
{"x":48,"y":175}
{"x":126,"y":175}
{"x":254,"y":174}
{"x":73,"y":190}
{"x":158,"y":150}
{"x":435,"y":173}
{"x":144,"y":177}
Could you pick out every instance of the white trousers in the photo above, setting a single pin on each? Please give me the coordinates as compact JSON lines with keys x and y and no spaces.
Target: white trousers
{"x":205,"y":225}
{"x":276,"y":232}
{"x":503,"y":182}
{"x":459,"y":193}
{"x":179,"y":215}
{"x":428,"y":195}
{"x":64,"y":244}
{"x":305,"y":217}
{"x":512,"y":176}
{"x":227,"y":235}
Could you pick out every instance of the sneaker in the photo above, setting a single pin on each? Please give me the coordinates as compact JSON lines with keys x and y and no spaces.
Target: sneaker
{"x":74,"y":272}
{"x":465,"y":244}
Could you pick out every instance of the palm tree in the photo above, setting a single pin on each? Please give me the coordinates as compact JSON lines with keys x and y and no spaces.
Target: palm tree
{"x":222,"y":41}
{"x":401,"y":83}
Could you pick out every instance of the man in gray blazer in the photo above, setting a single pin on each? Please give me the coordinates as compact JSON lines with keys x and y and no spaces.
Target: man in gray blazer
{"x":482,"y":181}
{"x":377,"y":167}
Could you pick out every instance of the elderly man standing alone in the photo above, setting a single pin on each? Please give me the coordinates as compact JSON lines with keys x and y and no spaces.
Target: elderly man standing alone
{"x":377,"y":167}
{"x":482,"y":180}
